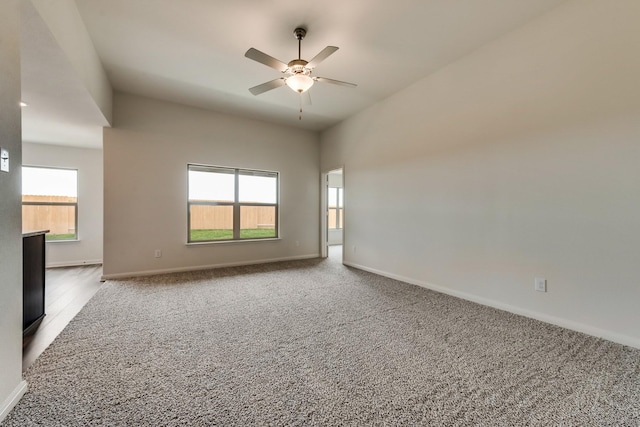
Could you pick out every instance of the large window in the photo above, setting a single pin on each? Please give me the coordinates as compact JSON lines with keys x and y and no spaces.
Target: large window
{"x":336,"y":208}
{"x":232,"y":204}
{"x":50,"y":202}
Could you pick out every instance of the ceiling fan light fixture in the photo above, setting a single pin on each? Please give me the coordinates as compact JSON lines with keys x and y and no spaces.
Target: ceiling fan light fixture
{"x":296,"y":73}
{"x":299,"y":82}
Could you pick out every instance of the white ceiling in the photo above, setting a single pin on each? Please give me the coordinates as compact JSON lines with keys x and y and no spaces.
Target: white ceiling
{"x":192,"y":51}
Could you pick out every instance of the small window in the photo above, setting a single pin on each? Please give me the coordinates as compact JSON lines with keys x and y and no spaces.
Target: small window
{"x":336,"y":208}
{"x":231,"y":204}
{"x":50,"y":202}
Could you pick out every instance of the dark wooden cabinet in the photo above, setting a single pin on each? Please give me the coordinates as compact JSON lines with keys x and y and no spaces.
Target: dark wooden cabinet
{"x":33,"y":273}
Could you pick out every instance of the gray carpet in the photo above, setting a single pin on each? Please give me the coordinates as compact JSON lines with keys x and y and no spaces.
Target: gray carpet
{"x":316,"y":343}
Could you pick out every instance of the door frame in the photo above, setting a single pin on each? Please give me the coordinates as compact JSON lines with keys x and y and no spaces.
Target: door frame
{"x":324,"y":211}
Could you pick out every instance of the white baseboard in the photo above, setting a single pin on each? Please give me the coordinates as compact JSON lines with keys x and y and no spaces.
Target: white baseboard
{"x":73,"y":263}
{"x":203,"y":267}
{"x":558,"y":321}
{"x":13,"y":399}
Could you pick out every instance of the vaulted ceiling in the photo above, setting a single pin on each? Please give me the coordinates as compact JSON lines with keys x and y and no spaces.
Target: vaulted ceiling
{"x":192,"y":52}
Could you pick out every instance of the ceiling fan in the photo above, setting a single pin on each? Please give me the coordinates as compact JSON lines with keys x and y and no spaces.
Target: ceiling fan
{"x":297,"y":73}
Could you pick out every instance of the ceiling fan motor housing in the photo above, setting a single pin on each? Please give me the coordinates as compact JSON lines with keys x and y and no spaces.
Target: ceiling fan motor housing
{"x":298,"y":66}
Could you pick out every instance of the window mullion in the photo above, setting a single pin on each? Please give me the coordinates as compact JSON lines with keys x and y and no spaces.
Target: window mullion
{"x":236,"y":207}
{"x":337,"y":208}
{"x":339,"y":211}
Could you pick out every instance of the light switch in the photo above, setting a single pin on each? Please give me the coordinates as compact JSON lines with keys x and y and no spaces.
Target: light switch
{"x":4,"y":160}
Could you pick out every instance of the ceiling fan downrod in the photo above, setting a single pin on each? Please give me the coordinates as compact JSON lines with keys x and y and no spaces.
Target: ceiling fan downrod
{"x":299,"y":33}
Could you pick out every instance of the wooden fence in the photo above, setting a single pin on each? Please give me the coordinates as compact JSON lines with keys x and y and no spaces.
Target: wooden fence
{"x":221,"y":217}
{"x":57,"y":219}
{"x":61,"y":219}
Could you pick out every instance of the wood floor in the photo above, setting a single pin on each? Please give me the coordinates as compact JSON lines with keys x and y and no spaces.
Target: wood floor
{"x":67,"y":290}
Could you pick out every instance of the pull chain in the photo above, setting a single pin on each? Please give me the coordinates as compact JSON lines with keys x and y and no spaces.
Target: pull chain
{"x":300,"y":116}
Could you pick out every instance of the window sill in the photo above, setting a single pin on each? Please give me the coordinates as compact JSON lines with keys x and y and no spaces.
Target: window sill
{"x":62,"y":241}
{"x":231,"y":242}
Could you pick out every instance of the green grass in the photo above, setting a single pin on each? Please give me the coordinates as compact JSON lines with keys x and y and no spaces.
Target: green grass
{"x":69,"y":236}
{"x":256,"y":233}
{"x":249,"y":233}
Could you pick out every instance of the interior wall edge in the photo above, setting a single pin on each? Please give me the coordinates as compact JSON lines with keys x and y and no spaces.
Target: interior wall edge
{"x":78,"y":263}
{"x":13,"y":399}
{"x":130,"y":274}
{"x":532,"y":314}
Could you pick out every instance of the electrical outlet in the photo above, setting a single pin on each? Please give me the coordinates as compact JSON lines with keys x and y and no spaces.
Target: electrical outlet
{"x":540,"y":284}
{"x":157,"y":253}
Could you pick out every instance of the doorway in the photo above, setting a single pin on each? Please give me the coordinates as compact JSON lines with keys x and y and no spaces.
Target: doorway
{"x":333,"y":213}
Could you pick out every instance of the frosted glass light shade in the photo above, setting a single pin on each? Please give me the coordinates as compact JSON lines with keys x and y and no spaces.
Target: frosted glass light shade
{"x":299,"y":82}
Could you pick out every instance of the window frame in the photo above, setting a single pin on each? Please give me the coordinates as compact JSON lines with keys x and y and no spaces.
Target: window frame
{"x":236,"y":204}
{"x":339,"y":208}
{"x":76,"y":237}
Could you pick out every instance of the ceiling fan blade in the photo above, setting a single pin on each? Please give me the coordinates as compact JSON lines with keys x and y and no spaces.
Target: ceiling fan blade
{"x":265,"y":59}
{"x":335,"y":82}
{"x":264,"y":87}
{"x":324,"y":53}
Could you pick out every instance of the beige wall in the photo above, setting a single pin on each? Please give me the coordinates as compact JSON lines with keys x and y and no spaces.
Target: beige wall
{"x":517,"y":161}
{"x":11,"y":385}
{"x":145,"y":179}
{"x":88,"y":162}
